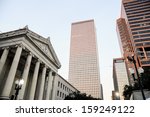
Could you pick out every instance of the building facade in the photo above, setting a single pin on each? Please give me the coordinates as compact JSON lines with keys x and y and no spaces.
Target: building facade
{"x":134,"y":32}
{"x":125,"y":44}
{"x":62,"y":88}
{"x":120,"y":78}
{"x":31,"y":57}
{"x":84,"y":65}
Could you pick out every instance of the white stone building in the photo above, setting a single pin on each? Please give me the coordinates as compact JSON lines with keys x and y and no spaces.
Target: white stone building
{"x":31,"y":57}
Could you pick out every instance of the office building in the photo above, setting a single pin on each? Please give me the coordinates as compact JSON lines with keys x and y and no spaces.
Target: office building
{"x":62,"y":88}
{"x":134,"y":32}
{"x":29,"y":57}
{"x":84,"y":64}
{"x":120,"y":78}
{"x":125,"y":44}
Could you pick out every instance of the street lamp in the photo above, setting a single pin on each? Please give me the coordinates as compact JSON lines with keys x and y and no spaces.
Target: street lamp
{"x":138,"y":71}
{"x":132,"y":73}
{"x":19,"y":83}
{"x":117,"y":95}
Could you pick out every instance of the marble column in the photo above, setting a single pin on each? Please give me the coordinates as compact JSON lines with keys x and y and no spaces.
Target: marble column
{"x":11,"y":75}
{"x":34,"y":80}
{"x":3,"y":60}
{"x":41,"y":90}
{"x":54,"y":85}
{"x":49,"y":87}
{"x":25,"y":76}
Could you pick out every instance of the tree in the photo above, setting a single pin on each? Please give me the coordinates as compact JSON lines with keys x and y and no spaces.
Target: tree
{"x":79,"y":96}
{"x":127,"y":92}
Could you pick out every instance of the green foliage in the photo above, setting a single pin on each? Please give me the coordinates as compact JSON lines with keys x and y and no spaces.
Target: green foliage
{"x":79,"y":96}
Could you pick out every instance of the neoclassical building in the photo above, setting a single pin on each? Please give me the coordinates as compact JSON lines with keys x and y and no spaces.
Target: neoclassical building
{"x":31,"y":57}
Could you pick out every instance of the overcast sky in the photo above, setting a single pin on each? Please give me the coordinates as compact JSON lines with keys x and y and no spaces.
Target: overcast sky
{"x":53,"y":18}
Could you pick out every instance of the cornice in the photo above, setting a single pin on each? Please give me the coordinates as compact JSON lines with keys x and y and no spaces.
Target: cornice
{"x":23,"y":31}
{"x":126,"y":1}
{"x":37,"y":36}
{"x":13,"y":33}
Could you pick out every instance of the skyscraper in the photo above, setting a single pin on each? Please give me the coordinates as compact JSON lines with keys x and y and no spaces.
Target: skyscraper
{"x":134,"y":31}
{"x":120,"y":77}
{"x":84,"y":65}
{"x":125,"y":44}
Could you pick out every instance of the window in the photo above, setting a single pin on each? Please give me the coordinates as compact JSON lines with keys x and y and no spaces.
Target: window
{"x":137,"y":8}
{"x":145,"y":62}
{"x":139,"y":44}
{"x":141,"y":40}
{"x":57,"y":93}
{"x":143,"y":28}
{"x":141,"y":21}
{"x":63,"y":95}
{"x":65,"y":88}
{"x":58,"y":83}
{"x":60,"y":94}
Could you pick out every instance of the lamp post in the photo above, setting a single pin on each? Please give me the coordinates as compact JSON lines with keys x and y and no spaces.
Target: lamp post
{"x":131,"y":59}
{"x":132,"y":73}
{"x":19,"y":83}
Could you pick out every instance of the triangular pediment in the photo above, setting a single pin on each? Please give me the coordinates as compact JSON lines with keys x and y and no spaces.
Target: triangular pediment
{"x":45,"y":46}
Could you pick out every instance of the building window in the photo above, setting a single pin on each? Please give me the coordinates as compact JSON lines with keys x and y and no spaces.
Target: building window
{"x":61,"y":85}
{"x":60,"y":94}
{"x":58,"y":83}
{"x":65,"y":88}
{"x":57,"y":93}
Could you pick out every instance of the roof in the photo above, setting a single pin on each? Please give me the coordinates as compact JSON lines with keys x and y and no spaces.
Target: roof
{"x":35,"y":38}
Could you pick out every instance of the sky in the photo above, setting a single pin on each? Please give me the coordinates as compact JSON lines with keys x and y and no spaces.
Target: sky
{"x":53,"y":18}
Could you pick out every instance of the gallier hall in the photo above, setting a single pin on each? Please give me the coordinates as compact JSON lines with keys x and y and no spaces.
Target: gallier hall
{"x":28,"y":68}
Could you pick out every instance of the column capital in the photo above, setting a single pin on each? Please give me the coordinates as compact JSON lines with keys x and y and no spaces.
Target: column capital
{"x":35,"y":60}
{"x":30,"y":53}
{"x":49,"y":69}
{"x":53,"y":73}
{"x":6,"y":48}
{"x":20,"y":45}
{"x":38,"y":60}
{"x":44,"y":65}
